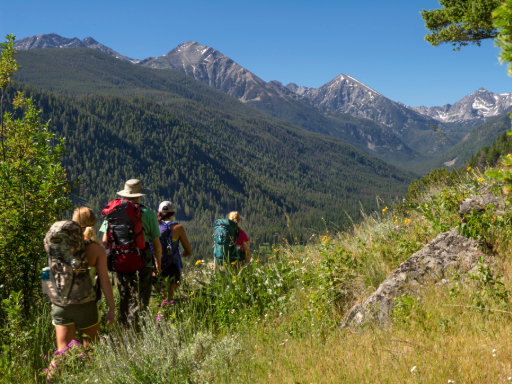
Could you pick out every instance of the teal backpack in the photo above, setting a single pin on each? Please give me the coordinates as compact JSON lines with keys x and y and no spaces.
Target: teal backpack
{"x":225,"y":237}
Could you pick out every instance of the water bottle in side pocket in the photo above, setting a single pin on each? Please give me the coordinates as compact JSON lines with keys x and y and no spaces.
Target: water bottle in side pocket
{"x":45,"y":280}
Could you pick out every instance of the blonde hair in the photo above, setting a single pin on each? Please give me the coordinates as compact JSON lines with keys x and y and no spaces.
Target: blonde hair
{"x":87,"y":220}
{"x":234,"y":216}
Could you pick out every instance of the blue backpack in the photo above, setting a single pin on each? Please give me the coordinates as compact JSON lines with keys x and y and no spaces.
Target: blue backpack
{"x":170,"y":249}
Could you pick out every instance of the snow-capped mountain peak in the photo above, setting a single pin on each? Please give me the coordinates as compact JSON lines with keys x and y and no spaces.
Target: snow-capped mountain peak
{"x":472,"y":110}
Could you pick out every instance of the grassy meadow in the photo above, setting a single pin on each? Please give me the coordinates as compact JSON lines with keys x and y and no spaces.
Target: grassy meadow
{"x":277,"y":319}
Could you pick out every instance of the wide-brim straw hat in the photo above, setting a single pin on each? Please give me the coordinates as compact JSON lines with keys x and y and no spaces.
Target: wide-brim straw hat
{"x":133,"y":188}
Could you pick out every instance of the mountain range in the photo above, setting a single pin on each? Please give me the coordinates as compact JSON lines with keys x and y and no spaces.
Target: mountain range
{"x":344,"y":108}
{"x":52,"y":40}
{"x":472,"y":110}
{"x":404,"y":140}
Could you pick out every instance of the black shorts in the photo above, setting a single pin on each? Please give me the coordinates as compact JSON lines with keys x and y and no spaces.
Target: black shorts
{"x":173,"y":274}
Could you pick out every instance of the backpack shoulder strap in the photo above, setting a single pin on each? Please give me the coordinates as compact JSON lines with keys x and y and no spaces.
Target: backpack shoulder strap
{"x":87,"y":242}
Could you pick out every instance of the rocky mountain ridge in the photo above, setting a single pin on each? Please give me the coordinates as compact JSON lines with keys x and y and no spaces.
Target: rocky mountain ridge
{"x":399,"y":134}
{"x":52,"y":40}
{"x":348,"y":95}
{"x":472,"y":110}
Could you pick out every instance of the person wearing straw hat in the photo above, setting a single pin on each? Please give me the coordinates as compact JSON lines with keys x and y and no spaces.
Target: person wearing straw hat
{"x":135,"y":288}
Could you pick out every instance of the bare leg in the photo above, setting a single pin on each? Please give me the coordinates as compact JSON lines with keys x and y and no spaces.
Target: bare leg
{"x":65,"y":333}
{"x":91,"y":334}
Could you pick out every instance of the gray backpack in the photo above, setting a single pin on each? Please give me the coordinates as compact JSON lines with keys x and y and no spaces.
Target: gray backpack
{"x":70,"y":282}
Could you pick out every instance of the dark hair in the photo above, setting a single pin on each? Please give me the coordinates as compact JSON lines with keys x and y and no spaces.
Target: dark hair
{"x":165,"y":216}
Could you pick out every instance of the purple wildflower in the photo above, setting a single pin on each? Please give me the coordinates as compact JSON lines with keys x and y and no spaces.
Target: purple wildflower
{"x":172,"y":301}
{"x":82,"y":356}
{"x":163,"y":302}
{"x":46,"y":369}
{"x":182,"y":295}
{"x":158,"y":317}
{"x":73,"y":342}
{"x":45,"y":357}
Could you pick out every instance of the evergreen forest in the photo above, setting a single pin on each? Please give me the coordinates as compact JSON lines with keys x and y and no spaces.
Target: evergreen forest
{"x":287,"y":183}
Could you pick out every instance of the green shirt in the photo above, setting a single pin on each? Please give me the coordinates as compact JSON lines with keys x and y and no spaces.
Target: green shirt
{"x":149,"y":224}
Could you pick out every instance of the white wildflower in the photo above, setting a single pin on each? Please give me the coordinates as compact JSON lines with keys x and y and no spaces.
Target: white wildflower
{"x":413,"y":369}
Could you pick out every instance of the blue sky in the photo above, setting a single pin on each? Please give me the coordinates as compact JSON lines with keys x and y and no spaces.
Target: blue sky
{"x":380,"y":43}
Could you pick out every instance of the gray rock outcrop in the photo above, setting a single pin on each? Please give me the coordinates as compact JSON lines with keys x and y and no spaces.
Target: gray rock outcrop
{"x":477,"y":203}
{"x":429,"y":265}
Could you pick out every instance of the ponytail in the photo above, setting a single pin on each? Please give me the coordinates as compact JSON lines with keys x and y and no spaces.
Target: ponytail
{"x":90,"y":234}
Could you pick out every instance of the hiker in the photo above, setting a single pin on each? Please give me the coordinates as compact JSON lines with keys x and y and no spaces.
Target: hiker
{"x":231,"y":243}
{"x":127,"y":230}
{"x":75,"y":306}
{"x":171,"y":235}
{"x":242,"y":242}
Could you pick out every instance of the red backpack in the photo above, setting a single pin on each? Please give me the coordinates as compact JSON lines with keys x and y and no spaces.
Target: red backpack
{"x":125,"y":235}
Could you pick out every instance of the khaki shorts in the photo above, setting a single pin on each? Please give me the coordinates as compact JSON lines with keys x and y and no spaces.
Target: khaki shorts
{"x":83,"y":315}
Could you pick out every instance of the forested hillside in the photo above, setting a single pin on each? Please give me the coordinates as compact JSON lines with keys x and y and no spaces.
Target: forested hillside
{"x":86,"y":71}
{"x":285,"y":181}
{"x":478,"y":137}
{"x":489,"y":155}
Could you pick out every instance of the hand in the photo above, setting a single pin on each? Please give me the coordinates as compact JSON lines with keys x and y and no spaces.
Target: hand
{"x":111,"y":316}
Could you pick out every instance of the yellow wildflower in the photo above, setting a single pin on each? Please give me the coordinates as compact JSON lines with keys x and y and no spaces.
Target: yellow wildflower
{"x":481,"y":180}
{"x":509,"y":156}
{"x":407,"y":221}
{"x":198,"y":262}
{"x":277,"y":250}
{"x":270,"y":258}
{"x":385,"y":209}
{"x":192,"y":293}
{"x":256,"y":260}
{"x":469,"y":168}
{"x":234,"y":278}
{"x":295,"y":261}
{"x":233,"y":263}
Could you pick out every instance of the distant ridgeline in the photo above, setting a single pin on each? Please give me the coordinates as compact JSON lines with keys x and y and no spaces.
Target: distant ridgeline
{"x":286,"y":182}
